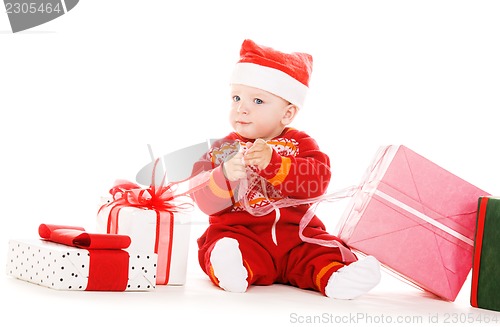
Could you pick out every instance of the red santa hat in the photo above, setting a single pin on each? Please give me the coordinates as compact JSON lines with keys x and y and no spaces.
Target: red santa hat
{"x":283,"y":74}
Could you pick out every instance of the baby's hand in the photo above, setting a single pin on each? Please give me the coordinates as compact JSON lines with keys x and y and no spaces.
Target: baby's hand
{"x":234,"y":168}
{"x":259,"y":154}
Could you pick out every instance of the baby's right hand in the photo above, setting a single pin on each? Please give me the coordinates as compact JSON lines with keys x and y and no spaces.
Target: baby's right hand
{"x":234,"y":168}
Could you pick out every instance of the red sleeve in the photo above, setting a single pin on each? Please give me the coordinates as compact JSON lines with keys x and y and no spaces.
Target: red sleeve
{"x":217,"y":196}
{"x":303,"y":175}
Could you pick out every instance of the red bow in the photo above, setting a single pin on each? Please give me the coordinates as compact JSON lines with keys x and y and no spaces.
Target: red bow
{"x":77,"y":237}
{"x":108,"y":263}
{"x":159,"y":198}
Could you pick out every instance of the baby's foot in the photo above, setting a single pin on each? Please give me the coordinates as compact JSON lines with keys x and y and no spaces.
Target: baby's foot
{"x":354,"y":280}
{"x":227,"y":263}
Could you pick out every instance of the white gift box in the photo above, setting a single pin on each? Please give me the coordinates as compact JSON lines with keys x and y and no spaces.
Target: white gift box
{"x":164,"y":233}
{"x":63,"y":267}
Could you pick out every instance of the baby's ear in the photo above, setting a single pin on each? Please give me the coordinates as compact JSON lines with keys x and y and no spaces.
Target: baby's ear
{"x":290,"y":112}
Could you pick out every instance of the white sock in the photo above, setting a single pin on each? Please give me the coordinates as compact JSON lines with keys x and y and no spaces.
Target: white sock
{"x":227,"y":262}
{"x":354,"y":280}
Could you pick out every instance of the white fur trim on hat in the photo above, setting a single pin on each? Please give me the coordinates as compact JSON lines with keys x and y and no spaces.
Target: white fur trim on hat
{"x":271,"y":80}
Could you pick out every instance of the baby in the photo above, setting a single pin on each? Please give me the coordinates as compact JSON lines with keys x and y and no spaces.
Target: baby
{"x":250,"y":239}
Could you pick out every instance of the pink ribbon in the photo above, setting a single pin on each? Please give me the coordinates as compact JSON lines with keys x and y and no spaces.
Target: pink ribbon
{"x":348,"y":192}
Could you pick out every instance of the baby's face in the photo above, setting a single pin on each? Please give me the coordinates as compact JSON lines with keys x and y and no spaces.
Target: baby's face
{"x":256,"y":113}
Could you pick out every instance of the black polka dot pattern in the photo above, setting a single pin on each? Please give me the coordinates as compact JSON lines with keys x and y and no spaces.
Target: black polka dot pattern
{"x":142,"y":272}
{"x":67,"y":268}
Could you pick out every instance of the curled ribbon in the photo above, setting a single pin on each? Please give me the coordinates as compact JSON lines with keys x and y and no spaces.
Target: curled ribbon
{"x":129,"y":194}
{"x":348,"y":192}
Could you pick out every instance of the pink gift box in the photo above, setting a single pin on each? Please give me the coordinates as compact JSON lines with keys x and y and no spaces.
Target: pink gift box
{"x":416,"y":218}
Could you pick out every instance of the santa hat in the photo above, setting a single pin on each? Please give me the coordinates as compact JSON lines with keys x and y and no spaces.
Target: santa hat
{"x":283,"y":74}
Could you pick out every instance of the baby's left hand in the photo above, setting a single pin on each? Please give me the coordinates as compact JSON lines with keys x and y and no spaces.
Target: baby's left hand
{"x":258,"y":154}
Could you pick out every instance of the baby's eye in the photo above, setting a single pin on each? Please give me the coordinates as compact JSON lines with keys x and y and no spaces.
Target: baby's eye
{"x":236,"y":98}
{"x":258,"y":101}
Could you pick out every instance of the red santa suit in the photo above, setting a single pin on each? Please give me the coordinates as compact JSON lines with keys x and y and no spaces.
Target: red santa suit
{"x":270,"y":244}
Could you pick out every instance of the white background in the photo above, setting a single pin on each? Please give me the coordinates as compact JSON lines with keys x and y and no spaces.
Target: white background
{"x":83,"y":95}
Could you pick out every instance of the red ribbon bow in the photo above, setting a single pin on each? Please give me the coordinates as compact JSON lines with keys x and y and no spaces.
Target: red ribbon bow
{"x":108,"y":263}
{"x":159,"y":198}
{"x":131,"y":194}
{"x":163,"y":200}
{"x":77,"y":237}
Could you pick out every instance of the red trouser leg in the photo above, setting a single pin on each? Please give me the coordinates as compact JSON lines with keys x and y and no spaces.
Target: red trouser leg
{"x":257,"y":261}
{"x":310,"y":266}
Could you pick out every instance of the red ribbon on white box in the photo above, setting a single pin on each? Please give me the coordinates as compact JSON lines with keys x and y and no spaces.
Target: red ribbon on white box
{"x":108,"y":263}
{"x":164,"y":200}
{"x":164,"y":224}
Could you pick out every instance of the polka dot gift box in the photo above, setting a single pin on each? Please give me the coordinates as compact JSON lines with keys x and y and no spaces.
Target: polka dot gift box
{"x":68,"y":258}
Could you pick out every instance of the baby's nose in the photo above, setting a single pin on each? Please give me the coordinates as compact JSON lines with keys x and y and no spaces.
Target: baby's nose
{"x":242,"y":108}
